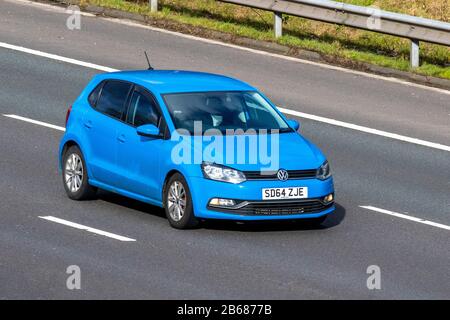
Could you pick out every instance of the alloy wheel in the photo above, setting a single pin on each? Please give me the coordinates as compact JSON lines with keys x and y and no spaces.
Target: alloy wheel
{"x":176,"y":200}
{"x":73,"y":173}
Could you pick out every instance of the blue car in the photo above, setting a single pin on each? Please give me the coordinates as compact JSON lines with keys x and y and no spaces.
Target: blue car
{"x":202,"y":146}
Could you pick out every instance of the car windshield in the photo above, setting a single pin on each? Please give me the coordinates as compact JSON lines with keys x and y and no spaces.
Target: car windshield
{"x":223,"y":111}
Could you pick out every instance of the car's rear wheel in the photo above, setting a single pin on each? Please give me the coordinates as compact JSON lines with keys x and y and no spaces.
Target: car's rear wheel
{"x":75,"y":176}
{"x":178,"y":203}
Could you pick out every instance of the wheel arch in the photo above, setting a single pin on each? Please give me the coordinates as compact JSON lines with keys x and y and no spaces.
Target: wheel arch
{"x":65,"y":146}
{"x":166,"y":179}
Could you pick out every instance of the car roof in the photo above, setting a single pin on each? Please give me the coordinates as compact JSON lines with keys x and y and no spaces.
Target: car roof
{"x":177,"y":81}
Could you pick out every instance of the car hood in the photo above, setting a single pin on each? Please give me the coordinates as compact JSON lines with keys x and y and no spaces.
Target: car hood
{"x":288,"y":151}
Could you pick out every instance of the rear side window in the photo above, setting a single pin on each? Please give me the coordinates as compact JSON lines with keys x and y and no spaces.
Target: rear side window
{"x":142,"y":110}
{"x":112,"y":98}
{"x":94,"y":95}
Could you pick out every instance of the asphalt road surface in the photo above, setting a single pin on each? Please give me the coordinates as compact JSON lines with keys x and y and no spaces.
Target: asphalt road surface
{"x":220,"y":260}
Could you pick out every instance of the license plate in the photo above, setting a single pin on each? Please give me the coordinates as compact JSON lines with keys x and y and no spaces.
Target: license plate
{"x":284,"y":193}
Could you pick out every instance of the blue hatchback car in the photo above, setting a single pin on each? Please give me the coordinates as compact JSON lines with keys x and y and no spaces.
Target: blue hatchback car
{"x":202,"y":146}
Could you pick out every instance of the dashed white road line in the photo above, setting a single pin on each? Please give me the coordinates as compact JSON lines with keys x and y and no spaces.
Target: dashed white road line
{"x":404,"y":216}
{"x":40,"y":123}
{"x":86,"y":228}
{"x":284,"y":110}
{"x":56,"y":57}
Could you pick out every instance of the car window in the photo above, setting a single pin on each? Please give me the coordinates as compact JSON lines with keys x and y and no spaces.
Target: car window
{"x":222,"y":111}
{"x":259,"y":116}
{"x":94,"y":95}
{"x":112,"y":98}
{"x":142,"y":110}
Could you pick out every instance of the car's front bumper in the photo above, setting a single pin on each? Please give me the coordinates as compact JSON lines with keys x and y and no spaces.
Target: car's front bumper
{"x":250,"y":193}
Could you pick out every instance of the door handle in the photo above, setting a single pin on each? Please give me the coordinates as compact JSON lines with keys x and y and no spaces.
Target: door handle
{"x":88,"y":124}
{"x":121,"y":138}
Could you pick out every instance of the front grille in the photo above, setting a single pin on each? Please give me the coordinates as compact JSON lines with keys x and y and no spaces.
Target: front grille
{"x":281,"y":207}
{"x":272,"y":175}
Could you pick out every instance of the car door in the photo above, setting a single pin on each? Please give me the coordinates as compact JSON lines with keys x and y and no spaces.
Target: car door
{"x":101,"y":125}
{"x":138,"y":157}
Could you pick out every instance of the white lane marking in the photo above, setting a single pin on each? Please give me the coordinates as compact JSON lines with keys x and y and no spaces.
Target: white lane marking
{"x":287,"y":111}
{"x":366,"y":129}
{"x":260,"y":52}
{"x":86,"y":228}
{"x":47,"y":7}
{"x":404,"y":216}
{"x":56,"y":57}
{"x":40,"y":123}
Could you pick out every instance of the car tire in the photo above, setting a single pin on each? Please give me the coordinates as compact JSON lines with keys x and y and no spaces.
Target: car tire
{"x":74,"y":175}
{"x":178,"y":203}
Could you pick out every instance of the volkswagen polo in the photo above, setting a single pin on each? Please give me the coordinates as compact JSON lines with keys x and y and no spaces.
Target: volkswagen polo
{"x":202,"y":146}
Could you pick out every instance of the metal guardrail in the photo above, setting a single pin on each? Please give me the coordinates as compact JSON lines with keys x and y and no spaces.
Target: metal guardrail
{"x":153,"y":5}
{"x":368,"y":18}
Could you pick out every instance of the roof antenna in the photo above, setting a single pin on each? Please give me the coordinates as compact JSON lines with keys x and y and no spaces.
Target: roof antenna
{"x":148,"y":61}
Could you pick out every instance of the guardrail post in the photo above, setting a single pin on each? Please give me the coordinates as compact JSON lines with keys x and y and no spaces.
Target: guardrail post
{"x":153,"y":5}
{"x":415,"y":53}
{"x":278,"y":24}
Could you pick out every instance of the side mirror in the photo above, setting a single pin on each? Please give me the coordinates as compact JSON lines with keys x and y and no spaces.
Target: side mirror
{"x":293,"y":124}
{"x":148,"y":130}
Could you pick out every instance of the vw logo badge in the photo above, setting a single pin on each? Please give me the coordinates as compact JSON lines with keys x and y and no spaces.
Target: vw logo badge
{"x":282,"y":175}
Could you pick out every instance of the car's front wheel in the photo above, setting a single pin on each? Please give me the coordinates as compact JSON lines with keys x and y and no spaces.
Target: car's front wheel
{"x":75,"y":176}
{"x":178,"y":203}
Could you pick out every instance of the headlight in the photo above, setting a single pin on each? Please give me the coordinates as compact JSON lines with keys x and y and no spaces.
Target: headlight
{"x":324,"y":171}
{"x":221,"y":173}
